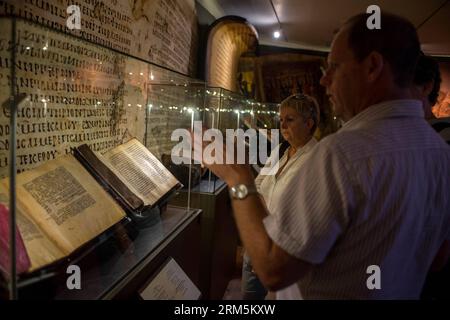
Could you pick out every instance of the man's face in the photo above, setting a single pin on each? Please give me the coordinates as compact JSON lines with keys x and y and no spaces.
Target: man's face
{"x":343,"y":79}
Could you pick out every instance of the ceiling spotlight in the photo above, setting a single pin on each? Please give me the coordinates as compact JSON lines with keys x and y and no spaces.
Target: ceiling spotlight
{"x":276,"y":34}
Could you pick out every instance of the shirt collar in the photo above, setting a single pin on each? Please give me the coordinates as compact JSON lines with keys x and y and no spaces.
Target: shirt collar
{"x":408,"y":108}
{"x":307,"y":147}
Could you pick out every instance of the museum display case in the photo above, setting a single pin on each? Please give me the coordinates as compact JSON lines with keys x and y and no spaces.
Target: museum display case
{"x":233,"y":110}
{"x":83,"y":178}
{"x":178,"y":102}
{"x":175,"y":108}
{"x":81,"y":121}
{"x":266,"y":115}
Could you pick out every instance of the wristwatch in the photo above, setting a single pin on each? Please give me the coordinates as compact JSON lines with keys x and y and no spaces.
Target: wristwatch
{"x":241,"y":191}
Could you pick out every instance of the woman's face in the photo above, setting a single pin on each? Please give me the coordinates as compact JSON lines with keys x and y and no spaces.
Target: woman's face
{"x":294,"y":128}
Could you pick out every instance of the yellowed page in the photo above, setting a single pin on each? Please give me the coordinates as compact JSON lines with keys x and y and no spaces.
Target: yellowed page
{"x":140,"y":170}
{"x":40,"y":249}
{"x":68,"y":205}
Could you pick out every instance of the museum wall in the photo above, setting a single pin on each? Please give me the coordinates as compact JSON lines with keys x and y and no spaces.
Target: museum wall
{"x":163,"y":32}
{"x":91,"y":85}
{"x":281,"y":74}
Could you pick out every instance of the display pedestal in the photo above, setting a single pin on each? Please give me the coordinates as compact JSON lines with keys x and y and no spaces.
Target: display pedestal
{"x":219,"y":237}
{"x":120,"y":266}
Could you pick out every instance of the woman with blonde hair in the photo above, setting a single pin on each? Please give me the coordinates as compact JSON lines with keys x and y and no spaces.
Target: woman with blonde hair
{"x":299,"y":117}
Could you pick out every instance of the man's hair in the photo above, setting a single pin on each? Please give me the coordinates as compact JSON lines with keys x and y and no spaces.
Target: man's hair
{"x":396,"y":41}
{"x":306,"y":106}
{"x":427,"y":71}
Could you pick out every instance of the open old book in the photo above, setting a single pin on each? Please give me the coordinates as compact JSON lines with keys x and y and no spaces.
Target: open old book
{"x":134,"y":176}
{"x":65,"y":203}
{"x":60,"y":207}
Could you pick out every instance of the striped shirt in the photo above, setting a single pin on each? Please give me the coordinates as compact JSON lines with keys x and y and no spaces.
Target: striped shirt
{"x":271,"y":186}
{"x":375,"y":193}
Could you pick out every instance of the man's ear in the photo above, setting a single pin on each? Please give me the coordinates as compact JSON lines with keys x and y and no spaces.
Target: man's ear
{"x":374,"y":64}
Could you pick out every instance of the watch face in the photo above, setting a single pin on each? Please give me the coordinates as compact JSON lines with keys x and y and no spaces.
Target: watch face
{"x":241,"y":191}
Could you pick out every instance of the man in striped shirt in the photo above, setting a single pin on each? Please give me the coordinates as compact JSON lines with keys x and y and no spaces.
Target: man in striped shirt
{"x":373,"y":196}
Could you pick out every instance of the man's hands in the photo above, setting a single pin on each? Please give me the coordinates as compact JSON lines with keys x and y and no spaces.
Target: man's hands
{"x":275,"y":267}
{"x":233,"y":173}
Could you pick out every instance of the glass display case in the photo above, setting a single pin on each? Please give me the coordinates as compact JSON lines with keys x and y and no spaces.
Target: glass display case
{"x":267,"y":115}
{"x":175,"y":105}
{"x":228,"y":110}
{"x":76,"y":120}
{"x":78,"y":124}
{"x":176,"y":102}
{"x":224,"y":110}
